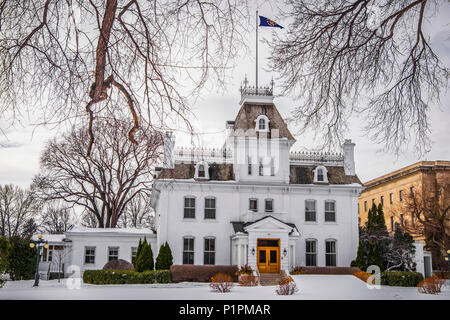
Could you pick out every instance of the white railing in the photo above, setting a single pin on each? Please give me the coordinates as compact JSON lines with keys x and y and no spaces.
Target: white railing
{"x":322,"y":157}
{"x":195,"y":154}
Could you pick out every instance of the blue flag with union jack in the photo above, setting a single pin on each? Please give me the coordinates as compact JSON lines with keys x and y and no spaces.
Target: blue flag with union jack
{"x":266,"y":22}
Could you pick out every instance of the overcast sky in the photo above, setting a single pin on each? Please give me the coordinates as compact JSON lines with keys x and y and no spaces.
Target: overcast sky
{"x":21,"y":146}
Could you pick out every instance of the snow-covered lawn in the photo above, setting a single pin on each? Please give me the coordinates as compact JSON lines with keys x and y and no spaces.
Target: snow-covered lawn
{"x":310,"y":287}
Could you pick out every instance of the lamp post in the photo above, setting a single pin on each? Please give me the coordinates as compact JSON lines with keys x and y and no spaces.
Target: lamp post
{"x":447,"y":258}
{"x":38,"y":244}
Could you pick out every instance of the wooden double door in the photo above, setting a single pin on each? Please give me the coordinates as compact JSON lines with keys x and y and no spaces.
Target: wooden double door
{"x":268,"y":255}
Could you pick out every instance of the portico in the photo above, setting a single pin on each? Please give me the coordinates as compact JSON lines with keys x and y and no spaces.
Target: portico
{"x":267,"y":244}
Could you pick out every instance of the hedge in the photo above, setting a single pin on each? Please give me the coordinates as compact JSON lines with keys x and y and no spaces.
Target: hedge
{"x":200,"y":273}
{"x":125,"y":277}
{"x":325,"y":270}
{"x":401,"y":278}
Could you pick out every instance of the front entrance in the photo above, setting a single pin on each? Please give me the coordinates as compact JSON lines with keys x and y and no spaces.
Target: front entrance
{"x":268,"y":255}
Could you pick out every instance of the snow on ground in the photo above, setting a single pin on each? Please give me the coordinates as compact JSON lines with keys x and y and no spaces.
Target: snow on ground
{"x":310,"y":287}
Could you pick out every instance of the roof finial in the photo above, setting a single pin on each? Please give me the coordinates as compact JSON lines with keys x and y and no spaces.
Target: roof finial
{"x":245,"y":81}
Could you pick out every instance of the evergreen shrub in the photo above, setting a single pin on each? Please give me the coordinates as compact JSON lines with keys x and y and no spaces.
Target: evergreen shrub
{"x":125,"y":277}
{"x":401,"y":278}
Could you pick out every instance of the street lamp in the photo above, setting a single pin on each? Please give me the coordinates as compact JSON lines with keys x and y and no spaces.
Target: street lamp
{"x":38,"y":244}
{"x":447,"y":259}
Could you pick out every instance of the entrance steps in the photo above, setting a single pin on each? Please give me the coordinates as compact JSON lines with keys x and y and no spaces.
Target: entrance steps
{"x":269,"y":279}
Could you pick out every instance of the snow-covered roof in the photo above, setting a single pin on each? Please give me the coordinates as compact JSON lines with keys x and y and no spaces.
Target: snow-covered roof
{"x":117,"y":231}
{"x":50,"y":237}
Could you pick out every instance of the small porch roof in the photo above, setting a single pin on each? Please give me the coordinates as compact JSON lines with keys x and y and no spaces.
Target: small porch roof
{"x":241,"y":227}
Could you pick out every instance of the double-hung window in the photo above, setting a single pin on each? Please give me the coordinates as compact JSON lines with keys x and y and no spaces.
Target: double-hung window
{"x":188,"y":250}
{"x":189,"y":207}
{"x":330,"y":211}
{"x":310,"y":210}
{"x":210,"y":208}
{"x":209,"y":255}
{"x":311,"y":252}
{"x":253,"y":204}
{"x":113,"y":253}
{"x":330,"y":253}
{"x":89,"y":255}
{"x":268,"y":205}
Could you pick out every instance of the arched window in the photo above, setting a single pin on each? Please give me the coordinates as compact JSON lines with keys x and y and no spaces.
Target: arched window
{"x":321,"y":174}
{"x":262,"y":123}
{"x":201,"y":170}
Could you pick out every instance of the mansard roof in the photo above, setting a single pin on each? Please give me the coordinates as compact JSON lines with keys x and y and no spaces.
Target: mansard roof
{"x":304,"y":174}
{"x":245,"y":119}
{"x":217,"y":172}
{"x":299,"y":174}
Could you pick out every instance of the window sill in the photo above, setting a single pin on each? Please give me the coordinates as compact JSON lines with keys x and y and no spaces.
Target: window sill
{"x":330,"y":222}
{"x":190,"y":219}
{"x":210,"y":220}
{"x":311,"y":222}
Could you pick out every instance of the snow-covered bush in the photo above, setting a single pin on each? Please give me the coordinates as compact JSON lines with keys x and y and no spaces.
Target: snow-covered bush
{"x":286,"y":286}
{"x":362,"y":275}
{"x":431,"y":285}
{"x":221,"y":283}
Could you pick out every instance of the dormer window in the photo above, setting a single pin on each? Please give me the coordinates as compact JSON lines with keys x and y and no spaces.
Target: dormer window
{"x":201,"y":170}
{"x":321,"y":174}
{"x":262,"y":123}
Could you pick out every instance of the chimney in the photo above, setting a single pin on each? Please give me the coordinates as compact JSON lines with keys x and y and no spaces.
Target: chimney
{"x":349,"y":157}
{"x":169,"y":143}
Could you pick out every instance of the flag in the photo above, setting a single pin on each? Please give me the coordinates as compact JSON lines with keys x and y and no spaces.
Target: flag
{"x":266,"y":22}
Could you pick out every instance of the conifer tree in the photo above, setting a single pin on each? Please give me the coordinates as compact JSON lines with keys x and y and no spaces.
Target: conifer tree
{"x":145,"y":260}
{"x":360,"y":261}
{"x":138,"y":251}
{"x":164,"y":259}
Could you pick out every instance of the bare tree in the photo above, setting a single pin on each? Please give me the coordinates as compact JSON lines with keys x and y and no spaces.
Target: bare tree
{"x":56,"y":217}
{"x":138,"y":213}
{"x":76,"y":57}
{"x":105,"y":182}
{"x":429,"y":208}
{"x":17,"y":209}
{"x":335,"y":52}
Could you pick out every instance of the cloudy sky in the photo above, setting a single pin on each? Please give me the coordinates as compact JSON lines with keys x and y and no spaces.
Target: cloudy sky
{"x":21,"y":144}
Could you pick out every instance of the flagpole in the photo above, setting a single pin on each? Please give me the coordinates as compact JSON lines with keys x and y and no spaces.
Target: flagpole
{"x":256,"y":51}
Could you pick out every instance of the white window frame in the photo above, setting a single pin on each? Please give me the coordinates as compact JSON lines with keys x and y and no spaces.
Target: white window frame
{"x":265,"y":205}
{"x":109,"y":253}
{"x":210,"y":208}
{"x":133,"y":254}
{"x":188,"y":251}
{"x":249,"y":206}
{"x":85,"y":255}
{"x":266,"y":123}
{"x":205,"y":166}
{"x":209,"y":251}
{"x":184,"y":206}
{"x":316,"y":174}
{"x":332,"y":253}
{"x":308,"y":211}
{"x":325,"y":211}
{"x":309,"y":252}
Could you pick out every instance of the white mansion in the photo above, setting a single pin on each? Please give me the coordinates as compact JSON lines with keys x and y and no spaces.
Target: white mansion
{"x":254,"y":201}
